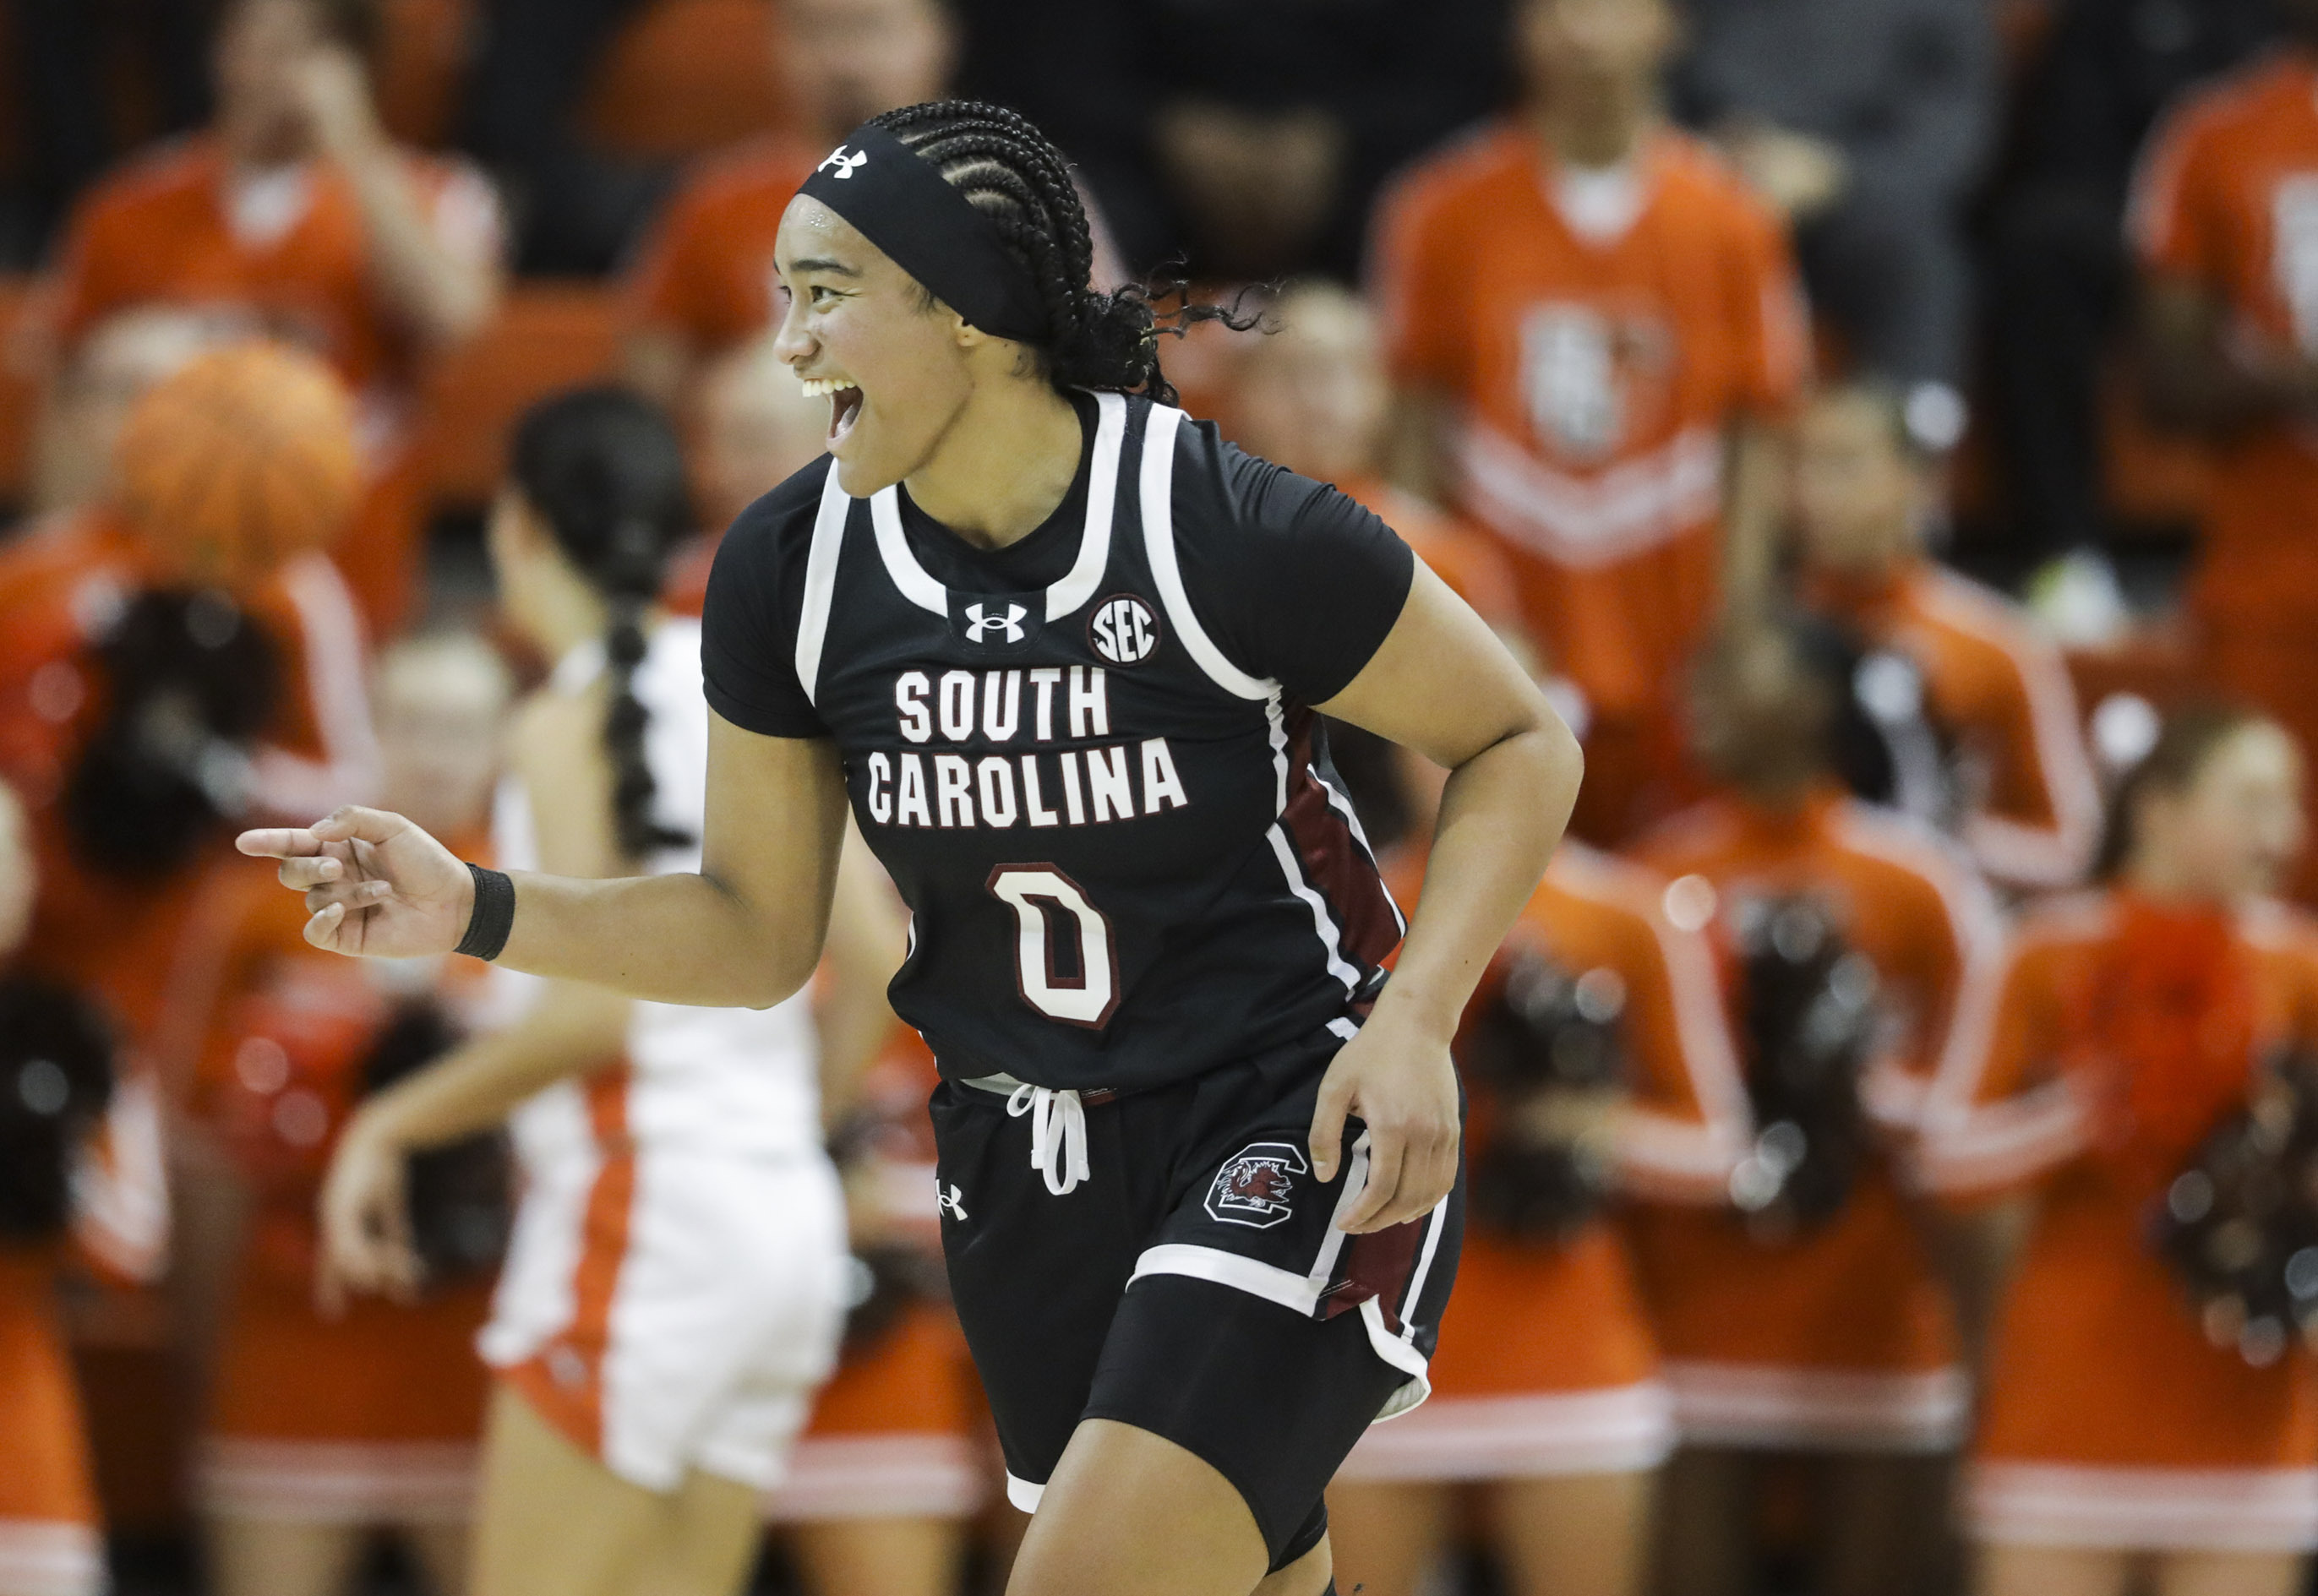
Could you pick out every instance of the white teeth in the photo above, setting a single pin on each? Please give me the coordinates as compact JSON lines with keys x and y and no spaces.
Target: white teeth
{"x":823,"y":387}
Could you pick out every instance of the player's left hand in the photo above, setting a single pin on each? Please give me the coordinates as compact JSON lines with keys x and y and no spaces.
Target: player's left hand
{"x":1401,"y":1084}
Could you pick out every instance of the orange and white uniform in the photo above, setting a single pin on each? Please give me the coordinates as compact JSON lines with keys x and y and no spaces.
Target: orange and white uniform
{"x":1596,"y":334}
{"x":1546,"y":1364}
{"x":2001,"y":690}
{"x":50,"y":1542}
{"x":371,"y":1417}
{"x":2226,"y":202}
{"x":706,"y":270}
{"x":285,"y":248}
{"x":675,"y":1289}
{"x":894,"y":1433}
{"x":1843,"y":1338}
{"x":2122,"y":1033}
{"x":1465,"y":557}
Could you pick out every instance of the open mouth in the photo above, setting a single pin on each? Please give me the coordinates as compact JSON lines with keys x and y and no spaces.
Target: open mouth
{"x":844,"y":405}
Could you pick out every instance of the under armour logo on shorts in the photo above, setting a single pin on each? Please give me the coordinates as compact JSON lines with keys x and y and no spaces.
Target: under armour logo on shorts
{"x":949,"y":1200}
{"x":1256,"y":1187}
{"x":846,"y":165}
{"x":979,"y":625}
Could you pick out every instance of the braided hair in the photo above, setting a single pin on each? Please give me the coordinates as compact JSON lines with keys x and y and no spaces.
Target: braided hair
{"x":1013,"y":174}
{"x":602,"y":467}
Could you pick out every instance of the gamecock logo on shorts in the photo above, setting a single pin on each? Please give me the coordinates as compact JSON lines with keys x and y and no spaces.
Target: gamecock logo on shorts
{"x":1256,"y":1187}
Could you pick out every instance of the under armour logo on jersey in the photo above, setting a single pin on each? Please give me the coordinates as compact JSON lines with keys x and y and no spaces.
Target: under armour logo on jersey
{"x":979,"y":624}
{"x":1123,"y":630}
{"x":1256,"y":1187}
{"x":846,"y":165}
{"x":949,"y":1200}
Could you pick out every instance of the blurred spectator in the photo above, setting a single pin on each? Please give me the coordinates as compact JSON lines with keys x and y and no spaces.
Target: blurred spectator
{"x":1865,"y":123}
{"x":754,"y":428}
{"x":1977,"y":719}
{"x":2225,"y":220}
{"x":574,"y":206}
{"x":2057,"y":266}
{"x":704,"y":280}
{"x":1547,"y":1410}
{"x":64,"y":92}
{"x":1311,"y":394}
{"x":1825,"y":1332}
{"x":51,"y":1541}
{"x":2128,"y":1440}
{"x":1596,"y":330}
{"x":87,"y":399}
{"x":295,"y":210}
{"x":1253,"y":137}
{"x":320,"y":1428}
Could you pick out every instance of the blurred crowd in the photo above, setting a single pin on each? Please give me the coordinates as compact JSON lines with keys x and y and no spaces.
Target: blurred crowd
{"x":1774,"y":376}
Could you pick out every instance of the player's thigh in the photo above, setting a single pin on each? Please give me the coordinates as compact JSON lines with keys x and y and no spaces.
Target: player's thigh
{"x":2229,"y":1573}
{"x":2050,"y":1571}
{"x":277,"y":1557}
{"x":550,"y":1519}
{"x":1572,"y":1535}
{"x":1310,"y":1574}
{"x":891,"y":1556}
{"x":441,"y":1552}
{"x":1385,"y":1535}
{"x":704,"y":1542}
{"x":1131,"y":1513}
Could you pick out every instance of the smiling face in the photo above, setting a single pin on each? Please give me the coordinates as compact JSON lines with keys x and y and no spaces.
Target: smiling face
{"x":1857,"y":495}
{"x":856,"y":329}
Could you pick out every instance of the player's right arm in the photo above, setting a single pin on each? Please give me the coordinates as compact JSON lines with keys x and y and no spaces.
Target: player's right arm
{"x":744,"y":931}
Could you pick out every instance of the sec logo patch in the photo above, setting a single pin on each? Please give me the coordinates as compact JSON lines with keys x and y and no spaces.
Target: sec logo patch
{"x":1123,"y":630}
{"x":1256,"y":1187}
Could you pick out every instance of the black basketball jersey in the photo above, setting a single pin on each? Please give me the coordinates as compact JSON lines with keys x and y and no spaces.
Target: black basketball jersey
{"x":1103,"y":795}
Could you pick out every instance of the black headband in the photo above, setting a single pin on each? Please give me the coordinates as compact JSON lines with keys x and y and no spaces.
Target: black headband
{"x":904,"y":205}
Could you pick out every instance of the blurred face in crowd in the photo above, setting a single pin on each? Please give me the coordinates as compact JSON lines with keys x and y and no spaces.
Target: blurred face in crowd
{"x":2232,"y":831}
{"x":119,"y":360}
{"x":843,"y":61}
{"x":758,"y":428}
{"x":1591,"y":59}
{"x":442,"y":710}
{"x":260,"y":47}
{"x":18,"y":882}
{"x":1312,"y":396}
{"x":1858,"y":494}
{"x":1759,"y":717}
{"x":853,"y":319}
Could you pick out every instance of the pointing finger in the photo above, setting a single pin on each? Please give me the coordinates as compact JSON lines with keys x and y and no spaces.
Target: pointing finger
{"x":278,"y":842}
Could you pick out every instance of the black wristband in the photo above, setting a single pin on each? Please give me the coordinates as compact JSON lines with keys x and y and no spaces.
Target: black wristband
{"x":493,"y":916}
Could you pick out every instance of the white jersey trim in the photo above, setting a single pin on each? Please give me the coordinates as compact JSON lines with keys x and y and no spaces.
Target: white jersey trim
{"x":1158,"y":484}
{"x":893,"y":546}
{"x":821,"y":582}
{"x":1085,"y":575}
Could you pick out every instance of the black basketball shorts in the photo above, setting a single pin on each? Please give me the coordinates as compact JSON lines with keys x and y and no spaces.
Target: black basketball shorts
{"x":1190,"y":1282}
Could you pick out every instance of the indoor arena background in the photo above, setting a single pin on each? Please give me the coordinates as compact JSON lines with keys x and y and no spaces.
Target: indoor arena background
{"x":1941,"y":189}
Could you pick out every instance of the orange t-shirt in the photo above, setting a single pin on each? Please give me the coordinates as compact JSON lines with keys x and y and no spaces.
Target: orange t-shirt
{"x":1859,"y":1293}
{"x":2003,"y":691}
{"x":706,"y":270}
{"x":2098,"y":1359}
{"x":1457,"y":551}
{"x":285,"y":248}
{"x":1595,"y":339}
{"x":2227,"y":201}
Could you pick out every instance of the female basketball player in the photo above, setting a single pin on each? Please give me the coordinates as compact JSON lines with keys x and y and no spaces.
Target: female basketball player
{"x":673,"y":1291}
{"x":1062,"y":651}
{"x":2119,"y":1450}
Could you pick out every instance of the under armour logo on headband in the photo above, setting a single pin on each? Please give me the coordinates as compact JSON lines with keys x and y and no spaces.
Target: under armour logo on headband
{"x":845,"y":164}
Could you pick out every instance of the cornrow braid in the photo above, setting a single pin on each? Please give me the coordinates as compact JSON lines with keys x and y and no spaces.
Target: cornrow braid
{"x":604,"y":468}
{"x":1014,"y":175}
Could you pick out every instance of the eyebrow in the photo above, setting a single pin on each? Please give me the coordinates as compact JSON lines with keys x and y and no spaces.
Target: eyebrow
{"x":816,"y":264}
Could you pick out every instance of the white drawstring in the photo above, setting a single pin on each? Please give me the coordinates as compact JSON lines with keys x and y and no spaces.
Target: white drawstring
{"x":1061,"y":1156}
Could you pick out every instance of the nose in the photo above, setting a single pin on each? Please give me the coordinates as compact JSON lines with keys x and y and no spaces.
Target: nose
{"x":790,"y":343}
